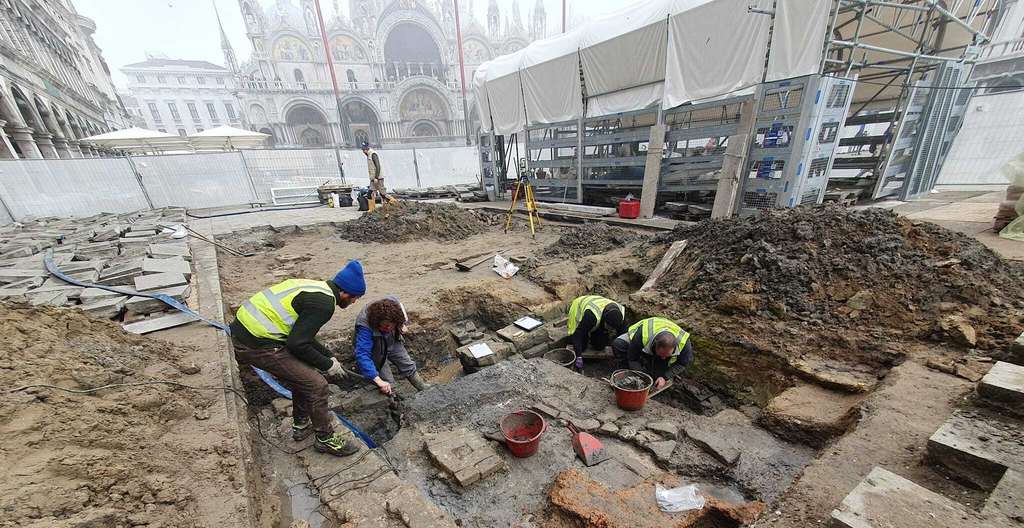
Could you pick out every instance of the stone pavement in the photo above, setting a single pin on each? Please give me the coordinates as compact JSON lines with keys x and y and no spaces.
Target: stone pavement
{"x":219,"y":225}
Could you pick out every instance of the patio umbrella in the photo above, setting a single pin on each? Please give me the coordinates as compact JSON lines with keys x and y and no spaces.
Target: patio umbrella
{"x":228,"y":138}
{"x":139,"y":139}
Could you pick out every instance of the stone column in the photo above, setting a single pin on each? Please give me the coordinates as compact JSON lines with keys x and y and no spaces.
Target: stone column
{"x":45,"y":142}
{"x":6,"y":149}
{"x":74,"y":149}
{"x":735,"y":166}
{"x":22,"y":135}
{"x":61,"y":145}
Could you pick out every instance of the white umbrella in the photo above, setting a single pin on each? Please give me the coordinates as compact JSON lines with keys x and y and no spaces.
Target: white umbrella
{"x":227,"y":138}
{"x":136,"y":138}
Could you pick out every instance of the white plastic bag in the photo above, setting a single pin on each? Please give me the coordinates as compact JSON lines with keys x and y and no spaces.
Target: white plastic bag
{"x":683,"y":498}
{"x":503,"y":267}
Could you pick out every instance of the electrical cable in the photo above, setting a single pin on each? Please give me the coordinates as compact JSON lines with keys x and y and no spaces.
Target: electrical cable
{"x":260,"y":210}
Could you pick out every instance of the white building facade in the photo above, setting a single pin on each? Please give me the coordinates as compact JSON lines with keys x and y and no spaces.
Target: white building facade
{"x":182,"y":96}
{"x":396,"y":64}
{"x":55,"y":87}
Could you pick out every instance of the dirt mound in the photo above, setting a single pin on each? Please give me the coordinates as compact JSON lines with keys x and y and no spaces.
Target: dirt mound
{"x":591,"y":239}
{"x":852,"y":279}
{"x":138,"y":456}
{"x":407,"y":221}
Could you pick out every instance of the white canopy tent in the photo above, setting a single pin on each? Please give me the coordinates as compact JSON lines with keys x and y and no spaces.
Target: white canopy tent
{"x":227,"y":138}
{"x":666,"y":52}
{"x":137,"y":139}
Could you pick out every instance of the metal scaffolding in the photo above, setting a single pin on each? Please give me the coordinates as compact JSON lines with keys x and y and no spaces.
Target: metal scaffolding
{"x":903,"y":54}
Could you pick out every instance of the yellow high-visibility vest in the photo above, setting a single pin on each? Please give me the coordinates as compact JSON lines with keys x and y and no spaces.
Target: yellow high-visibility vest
{"x":653,"y":326}
{"x":589,"y":303}
{"x":269,"y":313}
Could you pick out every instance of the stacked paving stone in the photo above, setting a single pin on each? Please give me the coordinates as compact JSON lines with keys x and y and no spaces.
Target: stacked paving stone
{"x":132,"y":251}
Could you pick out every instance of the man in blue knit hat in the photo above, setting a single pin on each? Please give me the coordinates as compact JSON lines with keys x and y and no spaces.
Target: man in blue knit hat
{"x":275,"y":330}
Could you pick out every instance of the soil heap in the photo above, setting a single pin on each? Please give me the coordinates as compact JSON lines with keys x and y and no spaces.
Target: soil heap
{"x":591,"y":239}
{"x":408,"y":220}
{"x":852,"y":279}
{"x":138,"y":456}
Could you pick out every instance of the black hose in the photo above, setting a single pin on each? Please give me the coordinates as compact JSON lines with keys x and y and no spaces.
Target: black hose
{"x":260,"y":210}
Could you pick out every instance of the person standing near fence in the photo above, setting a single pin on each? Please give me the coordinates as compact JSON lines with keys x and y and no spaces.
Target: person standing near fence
{"x":376,"y":173}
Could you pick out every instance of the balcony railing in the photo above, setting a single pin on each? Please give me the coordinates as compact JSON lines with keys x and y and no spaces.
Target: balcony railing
{"x":325,"y":86}
{"x":1003,"y":49}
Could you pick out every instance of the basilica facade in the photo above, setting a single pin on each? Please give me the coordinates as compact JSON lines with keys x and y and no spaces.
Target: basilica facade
{"x":396,"y":63}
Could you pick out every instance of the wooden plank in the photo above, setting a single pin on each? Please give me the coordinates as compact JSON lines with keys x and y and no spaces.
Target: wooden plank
{"x":674,"y":250}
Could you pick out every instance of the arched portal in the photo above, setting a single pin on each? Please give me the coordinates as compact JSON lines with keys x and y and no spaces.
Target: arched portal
{"x":270,"y":140}
{"x":425,"y":129}
{"x":28,"y":114}
{"x":410,"y":50}
{"x":308,"y":125}
{"x":361,"y":123}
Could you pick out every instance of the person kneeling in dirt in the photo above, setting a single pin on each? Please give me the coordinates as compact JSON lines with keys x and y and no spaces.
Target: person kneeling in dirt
{"x":275,"y":330}
{"x":592,"y":321}
{"x":659,"y":346}
{"x":379,"y":345}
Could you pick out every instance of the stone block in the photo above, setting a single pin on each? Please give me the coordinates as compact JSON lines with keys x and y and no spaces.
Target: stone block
{"x":501,"y":350}
{"x":811,"y":414}
{"x":146,"y":305}
{"x":467,"y":476}
{"x":978,"y":446}
{"x":53,"y":298}
{"x":489,"y":466}
{"x":522,"y":339}
{"x":170,"y":250}
{"x":667,"y":429}
{"x":536,"y":351}
{"x":662,"y":450}
{"x":608,"y":428}
{"x":9,"y":275}
{"x":92,"y":295}
{"x":713,"y":444}
{"x":167,"y":265}
{"x":282,"y":407}
{"x":1004,"y":383}
{"x":584,"y":424}
{"x":105,"y":308}
{"x":1005,"y":505}
{"x":154,"y":324}
{"x":464,"y":455}
{"x":159,"y":281}
{"x":884,"y":499}
{"x":546,"y":410}
{"x":9,"y":293}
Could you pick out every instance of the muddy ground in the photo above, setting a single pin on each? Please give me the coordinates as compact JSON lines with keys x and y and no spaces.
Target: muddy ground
{"x":155,"y":455}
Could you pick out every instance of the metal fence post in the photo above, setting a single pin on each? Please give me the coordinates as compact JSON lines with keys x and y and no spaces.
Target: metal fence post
{"x":248,"y":175}
{"x":138,"y":178}
{"x":416,"y":168}
{"x":341,"y":166}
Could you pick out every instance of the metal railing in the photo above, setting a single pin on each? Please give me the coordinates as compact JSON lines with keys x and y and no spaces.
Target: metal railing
{"x":1003,"y":49}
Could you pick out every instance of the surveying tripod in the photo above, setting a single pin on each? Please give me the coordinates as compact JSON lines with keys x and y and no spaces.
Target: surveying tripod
{"x":524,"y":190}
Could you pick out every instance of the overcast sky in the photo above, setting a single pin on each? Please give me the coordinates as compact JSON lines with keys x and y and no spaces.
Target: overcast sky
{"x":187,"y":29}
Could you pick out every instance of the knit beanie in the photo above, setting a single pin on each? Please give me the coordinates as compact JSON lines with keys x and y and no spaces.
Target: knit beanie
{"x":350,"y":279}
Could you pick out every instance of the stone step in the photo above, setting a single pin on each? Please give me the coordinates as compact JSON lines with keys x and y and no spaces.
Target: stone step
{"x":1004,"y":384}
{"x":885,"y":500}
{"x":1005,"y":506}
{"x":979,"y":446}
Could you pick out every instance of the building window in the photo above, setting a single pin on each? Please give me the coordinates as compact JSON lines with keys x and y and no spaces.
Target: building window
{"x":193,"y":111}
{"x":161,"y":79}
{"x":181,"y":132}
{"x":231,"y":110}
{"x":154,"y":111}
{"x":213,"y":112}
{"x":140,"y":78}
{"x":220,"y":80}
{"x":174,"y":111}
{"x":201,"y":80}
{"x":181,"y":80}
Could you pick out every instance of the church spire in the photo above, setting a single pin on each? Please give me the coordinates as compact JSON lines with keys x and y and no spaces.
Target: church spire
{"x":230,"y":61}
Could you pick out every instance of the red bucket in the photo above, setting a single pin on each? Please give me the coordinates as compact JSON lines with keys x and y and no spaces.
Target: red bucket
{"x":522,"y":431}
{"x":633,"y":395}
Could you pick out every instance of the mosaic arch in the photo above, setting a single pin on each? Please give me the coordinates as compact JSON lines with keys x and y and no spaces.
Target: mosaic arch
{"x":423,"y":103}
{"x":345,"y":49}
{"x":476,"y":52}
{"x":288,"y":48}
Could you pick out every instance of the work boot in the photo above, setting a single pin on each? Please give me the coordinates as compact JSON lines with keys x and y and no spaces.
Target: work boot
{"x":418,"y":382}
{"x":301,"y":429}
{"x":335,"y":444}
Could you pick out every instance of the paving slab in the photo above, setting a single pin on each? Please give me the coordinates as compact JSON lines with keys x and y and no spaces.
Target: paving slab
{"x":159,"y":281}
{"x":146,"y":305}
{"x":170,"y":250}
{"x":168,"y":265}
{"x":886,"y":500}
{"x":979,"y":446}
{"x":522,"y":339}
{"x":1004,"y":383}
{"x":160,"y":323}
{"x":54,"y":298}
{"x":105,"y":308}
{"x":92,"y":295}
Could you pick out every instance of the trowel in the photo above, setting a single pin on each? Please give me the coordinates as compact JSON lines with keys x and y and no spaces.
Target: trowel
{"x":588,"y":447}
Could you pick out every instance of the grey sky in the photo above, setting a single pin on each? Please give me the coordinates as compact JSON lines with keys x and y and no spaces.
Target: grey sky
{"x":187,"y":29}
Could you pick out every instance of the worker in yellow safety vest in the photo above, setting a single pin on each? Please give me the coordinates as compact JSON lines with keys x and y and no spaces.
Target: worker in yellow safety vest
{"x":275,"y":330}
{"x":659,"y":346}
{"x":592,"y":322}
